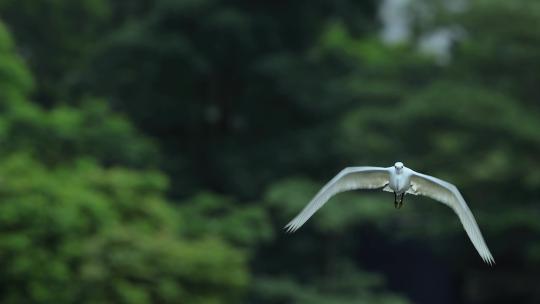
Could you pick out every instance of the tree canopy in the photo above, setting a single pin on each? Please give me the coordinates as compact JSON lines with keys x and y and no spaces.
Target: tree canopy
{"x":151,"y":151}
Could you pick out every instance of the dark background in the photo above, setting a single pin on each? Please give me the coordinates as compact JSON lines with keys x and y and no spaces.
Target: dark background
{"x":152,"y":151}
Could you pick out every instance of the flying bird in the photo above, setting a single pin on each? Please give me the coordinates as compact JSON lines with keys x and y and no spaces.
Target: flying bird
{"x":400,"y":180}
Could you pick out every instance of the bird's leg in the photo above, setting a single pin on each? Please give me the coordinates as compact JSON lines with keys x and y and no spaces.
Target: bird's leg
{"x":396,"y":203}
{"x":401,"y":200}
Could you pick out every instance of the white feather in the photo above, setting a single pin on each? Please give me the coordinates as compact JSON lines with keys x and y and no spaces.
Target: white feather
{"x":348,"y":179}
{"x":449,"y":195}
{"x":398,"y":179}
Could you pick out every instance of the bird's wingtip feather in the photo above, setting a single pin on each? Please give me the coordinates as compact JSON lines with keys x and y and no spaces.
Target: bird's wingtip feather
{"x":290,"y":227}
{"x":489,"y":260}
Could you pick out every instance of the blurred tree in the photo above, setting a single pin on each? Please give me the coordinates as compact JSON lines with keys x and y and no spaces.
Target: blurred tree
{"x":490,"y":51}
{"x":207,"y":79}
{"x":211,"y":214}
{"x":506,"y":55}
{"x":77,"y":227}
{"x":472,"y":121}
{"x":64,"y":133}
{"x":54,"y":37}
{"x":88,"y":235}
{"x":350,"y":286}
{"x":264,"y":102}
{"x":473,"y":126}
{"x":15,"y":80}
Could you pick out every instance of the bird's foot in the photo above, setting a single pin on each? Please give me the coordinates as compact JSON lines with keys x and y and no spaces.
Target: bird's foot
{"x":398,"y":203}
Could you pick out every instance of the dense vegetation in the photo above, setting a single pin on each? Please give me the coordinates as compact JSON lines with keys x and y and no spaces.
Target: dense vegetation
{"x":151,"y":151}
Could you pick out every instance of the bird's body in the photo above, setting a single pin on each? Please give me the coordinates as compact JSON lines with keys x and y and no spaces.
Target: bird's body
{"x":400,"y":180}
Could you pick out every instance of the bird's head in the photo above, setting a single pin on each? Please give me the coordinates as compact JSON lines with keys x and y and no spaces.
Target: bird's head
{"x":398,"y":166}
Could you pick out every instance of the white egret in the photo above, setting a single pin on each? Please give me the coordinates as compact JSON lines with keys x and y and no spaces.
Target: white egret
{"x":400,"y":180}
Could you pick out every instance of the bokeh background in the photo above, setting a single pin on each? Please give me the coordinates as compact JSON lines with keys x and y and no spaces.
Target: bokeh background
{"x":152,"y":151}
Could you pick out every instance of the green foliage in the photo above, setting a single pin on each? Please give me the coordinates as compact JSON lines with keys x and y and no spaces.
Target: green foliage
{"x":240,"y":111}
{"x":80,"y":223}
{"x":63,"y":133}
{"x":66,"y":133}
{"x":15,"y":79}
{"x":495,"y":52}
{"x":222,"y":85}
{"x":210,"y":214}
{"x":350,"y":286}
{"x":91,"y":235}
{"x":60,"y":31}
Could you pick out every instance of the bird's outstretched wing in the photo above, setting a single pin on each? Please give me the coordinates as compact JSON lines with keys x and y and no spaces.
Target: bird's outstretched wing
{"x":348,"y":179}
{"x":449,"y":195}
